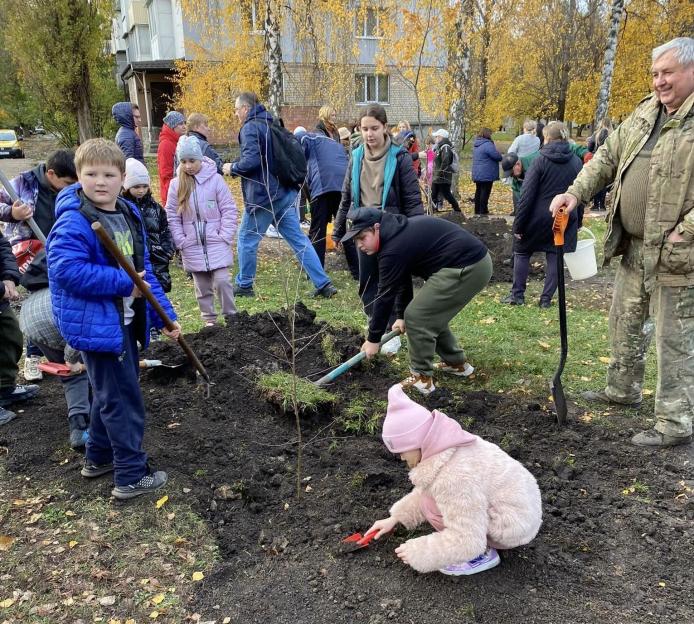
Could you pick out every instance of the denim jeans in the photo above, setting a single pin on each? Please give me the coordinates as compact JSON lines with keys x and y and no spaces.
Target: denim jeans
{"x":253,"y":226}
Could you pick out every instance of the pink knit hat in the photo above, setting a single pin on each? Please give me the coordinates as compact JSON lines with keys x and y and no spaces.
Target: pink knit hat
{"x":409,"y":426}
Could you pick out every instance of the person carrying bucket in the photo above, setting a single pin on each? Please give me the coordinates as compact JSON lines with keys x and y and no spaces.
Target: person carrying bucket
{"x":550,"y":173}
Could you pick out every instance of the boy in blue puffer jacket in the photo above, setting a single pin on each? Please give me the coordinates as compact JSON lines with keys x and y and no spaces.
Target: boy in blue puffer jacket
{"x":99,"y":312}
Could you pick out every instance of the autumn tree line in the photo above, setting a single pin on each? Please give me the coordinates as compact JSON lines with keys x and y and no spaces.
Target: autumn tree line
{"x":472,"y":62}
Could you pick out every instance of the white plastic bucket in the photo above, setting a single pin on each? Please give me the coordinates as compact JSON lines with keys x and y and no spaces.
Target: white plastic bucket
{"x":582,"y":263}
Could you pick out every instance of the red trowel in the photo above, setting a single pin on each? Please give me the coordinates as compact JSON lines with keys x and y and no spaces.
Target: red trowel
{"x":54,"y":368}
{"x":356,"y":541}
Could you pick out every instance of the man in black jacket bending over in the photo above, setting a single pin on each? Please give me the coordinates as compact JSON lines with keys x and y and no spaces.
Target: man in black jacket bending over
{"x":455,"y":265}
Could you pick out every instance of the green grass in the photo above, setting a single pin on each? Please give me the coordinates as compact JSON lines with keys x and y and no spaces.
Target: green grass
{"x":363,"y":415}
{"x":279,"y":388}
{"x":514,"y":348}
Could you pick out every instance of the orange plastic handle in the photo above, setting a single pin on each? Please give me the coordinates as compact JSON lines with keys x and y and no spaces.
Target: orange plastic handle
{"x":561,"y":220}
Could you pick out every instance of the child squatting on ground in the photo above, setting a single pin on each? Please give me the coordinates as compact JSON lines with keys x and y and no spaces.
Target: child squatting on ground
{"x":99,"y":312}
{"x":202,"y":217}
{"x":476,"y":496}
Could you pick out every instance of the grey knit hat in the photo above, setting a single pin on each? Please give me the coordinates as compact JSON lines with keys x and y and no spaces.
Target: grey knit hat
{"x":174,"y":118}
{"x":188,"y":148}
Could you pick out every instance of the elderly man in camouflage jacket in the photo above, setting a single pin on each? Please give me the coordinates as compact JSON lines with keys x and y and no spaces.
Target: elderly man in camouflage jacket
{"x":650,"y":159}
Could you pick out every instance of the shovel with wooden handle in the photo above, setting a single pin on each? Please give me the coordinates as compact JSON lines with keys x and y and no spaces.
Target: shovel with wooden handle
{"x":147,"y":294}
{"x":561,"y":219}
{"x":14,"y":197}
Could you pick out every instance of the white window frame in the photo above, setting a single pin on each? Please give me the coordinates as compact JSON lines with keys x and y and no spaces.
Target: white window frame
{"x":361,"y":24}
{"x":257,"y":23}
{"x":376,"y":76}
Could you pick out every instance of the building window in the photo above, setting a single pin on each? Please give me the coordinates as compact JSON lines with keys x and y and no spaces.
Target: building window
{"x":255,"y":14}
{"x":369,"y":24}
{"x":372,"y":88}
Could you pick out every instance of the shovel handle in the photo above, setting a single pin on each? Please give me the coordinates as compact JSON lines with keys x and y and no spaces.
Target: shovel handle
{"x":345,"y":366}
{"x":561,"y":220}
{"x":14,"y":197}
{"x":147,"y":294}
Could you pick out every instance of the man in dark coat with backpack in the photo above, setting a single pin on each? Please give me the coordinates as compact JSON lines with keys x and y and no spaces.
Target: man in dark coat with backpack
{"x":267,"y":198}
{"x":445,"y":165}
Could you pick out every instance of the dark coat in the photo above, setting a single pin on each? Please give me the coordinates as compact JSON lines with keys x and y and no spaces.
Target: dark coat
{"x":159,"y":241}
{"x":321,"y":129}
{"x":126,"y":137}
{"x":404,"y":196}
{"x":261,"y":188}
{"x":485,"y":161}
{"x":326,"y":164}
{"x":595,"y":140}
{"x":420,"y":246}
{"x":443,"y":159}
{"x":8,"y":269}
{"x":550,"y":174}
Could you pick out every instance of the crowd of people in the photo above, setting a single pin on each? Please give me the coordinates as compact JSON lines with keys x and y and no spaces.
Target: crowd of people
{"x":84,"y":311}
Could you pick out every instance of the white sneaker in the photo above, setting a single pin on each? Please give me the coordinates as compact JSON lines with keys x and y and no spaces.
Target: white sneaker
{"x":32,"y":372}
{"x":423,"y":384}
{"x":391,"y":347}
{"x":460,"y":370}
{"x":486,"y":561}
{"x":272,"y":232}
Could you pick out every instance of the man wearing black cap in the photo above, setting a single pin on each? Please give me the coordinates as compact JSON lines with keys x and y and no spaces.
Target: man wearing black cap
{"x":455,"y":265}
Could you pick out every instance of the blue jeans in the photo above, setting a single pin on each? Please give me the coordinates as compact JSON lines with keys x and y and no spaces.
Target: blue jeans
{"x":117,"y":418}
{"x":254,"y":226}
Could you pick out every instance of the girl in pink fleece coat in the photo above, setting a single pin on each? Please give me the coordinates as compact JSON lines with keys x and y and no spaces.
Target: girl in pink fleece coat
{"x":476,"y":496}
{"x":202,"y":218}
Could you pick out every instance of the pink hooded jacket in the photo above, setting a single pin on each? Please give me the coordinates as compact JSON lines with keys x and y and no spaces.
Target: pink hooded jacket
{"x":204,"y":231}
{"x":473,"y":493}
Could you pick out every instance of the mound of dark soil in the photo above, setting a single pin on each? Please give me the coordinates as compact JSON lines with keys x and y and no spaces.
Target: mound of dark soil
{"x":497,"y":235}
{"x":616,"y":545}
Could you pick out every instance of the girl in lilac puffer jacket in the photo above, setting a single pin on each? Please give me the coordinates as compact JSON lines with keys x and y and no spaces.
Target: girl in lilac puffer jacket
{"x":202,"y":218}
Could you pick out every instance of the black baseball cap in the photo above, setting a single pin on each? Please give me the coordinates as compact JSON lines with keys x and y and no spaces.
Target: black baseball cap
{"x":359,"y":219}
{"x":507,"y":163}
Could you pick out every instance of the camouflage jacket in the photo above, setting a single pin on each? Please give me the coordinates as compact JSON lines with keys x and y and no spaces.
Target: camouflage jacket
{"x":670,"y":190}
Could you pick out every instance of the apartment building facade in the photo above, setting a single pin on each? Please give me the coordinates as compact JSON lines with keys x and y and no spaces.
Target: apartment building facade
{"x":148,"y":36}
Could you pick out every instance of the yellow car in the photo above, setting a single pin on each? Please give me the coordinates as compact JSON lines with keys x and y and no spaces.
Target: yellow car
{"x":10,"y":146}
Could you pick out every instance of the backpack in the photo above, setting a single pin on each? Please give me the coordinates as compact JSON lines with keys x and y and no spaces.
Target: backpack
{"x":455,"y":164}
{"x":288,"y":159}
{"x":454,"y":167}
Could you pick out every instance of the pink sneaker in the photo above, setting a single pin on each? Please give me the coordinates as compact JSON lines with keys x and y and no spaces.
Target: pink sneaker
{"x":486,"y":561}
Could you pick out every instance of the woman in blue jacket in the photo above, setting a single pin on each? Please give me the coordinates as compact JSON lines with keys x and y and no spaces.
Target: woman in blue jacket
{"x":379,"y":175}
{"x":485,"y":169}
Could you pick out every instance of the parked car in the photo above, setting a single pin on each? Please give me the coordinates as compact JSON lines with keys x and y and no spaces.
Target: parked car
{"x":39,"y":130}
{"x":10,"y":147}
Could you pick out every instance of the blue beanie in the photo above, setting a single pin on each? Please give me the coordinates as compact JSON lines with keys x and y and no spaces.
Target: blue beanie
{"x":173,"y":119}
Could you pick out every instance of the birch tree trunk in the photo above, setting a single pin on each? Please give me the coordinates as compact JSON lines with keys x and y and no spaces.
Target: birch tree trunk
{"x":608,"y":61}
{"x":273,"y":49}
{"x":565,"y":56}
{"x":459,"y":68}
